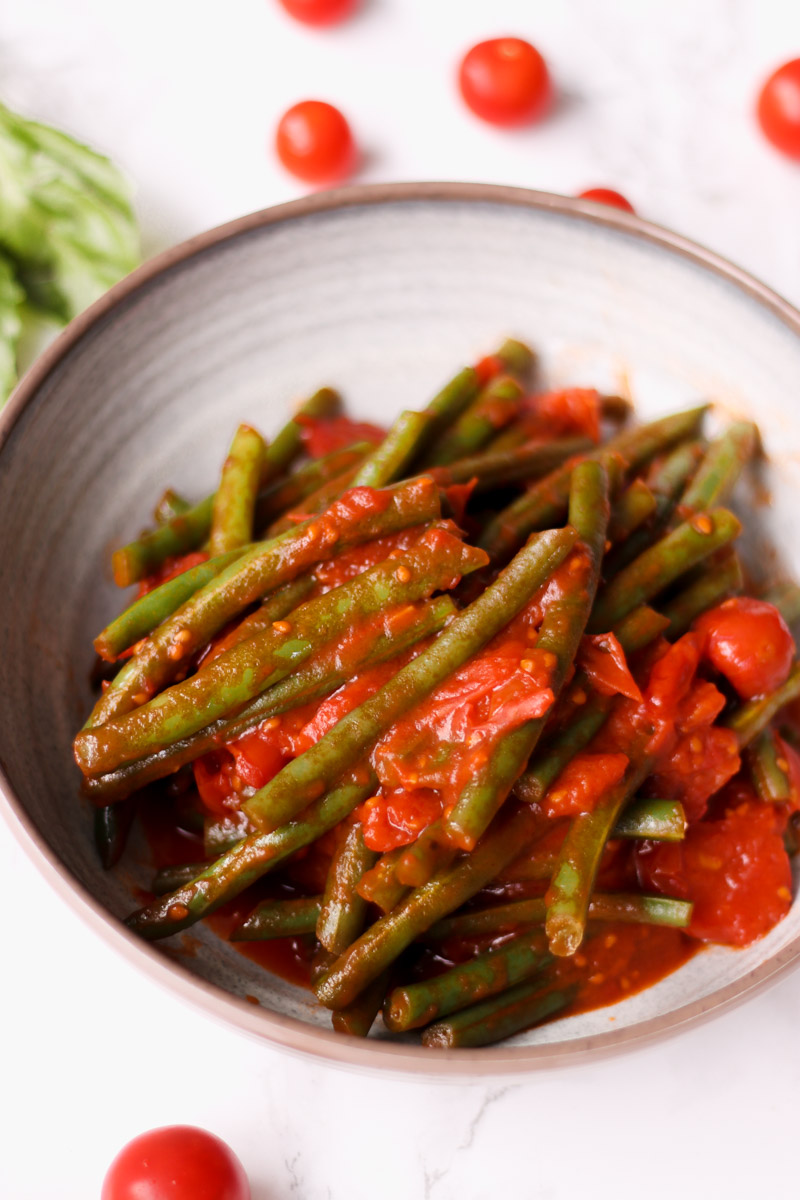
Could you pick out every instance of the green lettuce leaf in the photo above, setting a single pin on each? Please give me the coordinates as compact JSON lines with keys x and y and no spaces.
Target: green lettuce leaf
{"x":66,"y":220}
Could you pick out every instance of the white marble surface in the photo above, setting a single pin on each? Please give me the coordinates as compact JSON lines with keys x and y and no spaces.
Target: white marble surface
{"x":656,"y":100}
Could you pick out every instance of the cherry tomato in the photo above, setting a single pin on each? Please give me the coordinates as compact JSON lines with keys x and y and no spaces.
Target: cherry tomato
{"x":178,"y":1162}
{"x":779,"y":108}
{"x":505,"y":81}
{"x":735,"y":870}
{"x":749,"y":643}
{"x":314,"y":142}
{"x":607,"y":196}
{"x":319,"y":12}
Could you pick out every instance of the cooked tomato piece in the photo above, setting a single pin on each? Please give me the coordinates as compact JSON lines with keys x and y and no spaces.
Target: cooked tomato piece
{"x":398,"y":817}
{"x":734,"y":869}
{"x":170,"y":569}
{"x":702,"y":762}
{"x":583,"y":783}
{"x":323,"y":435}
{"x":569,"y":411}
{"x":488,"y":368}
{"x":603,"y":660}
{"x":748,"y":642}
{"x":212,"y":775}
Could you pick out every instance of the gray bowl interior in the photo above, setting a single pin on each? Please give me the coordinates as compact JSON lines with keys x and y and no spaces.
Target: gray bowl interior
{"x":383,"y":301}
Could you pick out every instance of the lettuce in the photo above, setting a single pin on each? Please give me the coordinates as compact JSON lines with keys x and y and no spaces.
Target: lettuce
{"x":67,"y":228}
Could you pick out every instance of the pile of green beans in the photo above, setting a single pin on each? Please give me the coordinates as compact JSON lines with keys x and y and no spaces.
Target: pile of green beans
{"x":467,"y":516}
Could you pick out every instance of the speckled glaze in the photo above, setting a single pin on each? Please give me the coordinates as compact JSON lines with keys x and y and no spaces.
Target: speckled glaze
{"x":382,"y":292}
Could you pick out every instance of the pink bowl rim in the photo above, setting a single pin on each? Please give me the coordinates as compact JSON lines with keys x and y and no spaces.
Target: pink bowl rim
{"x":287,"y":1033}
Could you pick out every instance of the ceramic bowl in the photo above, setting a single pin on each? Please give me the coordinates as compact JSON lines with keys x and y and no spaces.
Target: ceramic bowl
{"x":383,"y":292}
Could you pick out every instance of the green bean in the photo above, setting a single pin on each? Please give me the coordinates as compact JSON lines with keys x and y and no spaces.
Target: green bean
{"x":315,"y":502}
{"x":235,"y":498}
{"x":750,"y":718}
{"x":718,"y":579}
{"x":559,"y":636}
{"x":381,"y":943}
{"x":286,"y":493}
{"x":324,"y":673}
{"x":301,"y":780}
{"x":662,"y":564}
{"x":112,"y":825}
{"x":389,"y":460}
{"x":226,"y":683}
{"x":495,"y":405}
{"x":142,"y":617}
{"x":497,"y":970}
{"x":168,"y":878}
{"x":279,"y":918}
{"x":660,"y":820}
{"x":721,"y":466}
{"x":533,"y":784}
{"x":380,"y":884}
{"x":448,"y":404}
{"x":190,"y":529}
{"x":769,"y":769}
{"x":223,"y":833}
{"x":358,"y":1018}
{"x":498,"y":468}
{"x":170,"y":505}
{"x":506,"y":918}
{"x":666,"y":479}
{"x":634,"y":632}
{"x":573,"y":880}
{"x":500,"y":1017}
{"x":343,"y":912}
{"x":630,"y":510}
{"x":248,"y":861}
{"x":262,"y":569}
{"x":545,"y":504}
{"x":420,"y":861}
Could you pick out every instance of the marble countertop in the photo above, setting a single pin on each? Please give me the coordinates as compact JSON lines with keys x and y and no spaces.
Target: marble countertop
{"x":655,"y":100}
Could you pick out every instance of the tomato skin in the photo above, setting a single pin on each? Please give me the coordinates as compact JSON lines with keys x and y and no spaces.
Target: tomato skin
{"x":314,"y":142}
{"x":778,"y":109}
{"x":607,"y":196}
{"x":177,"y":1162}
{"x":603,"y":659}
{"x":505,"y":81}
{"x":749,"y":643}
{"x":319,"y":12}
{"x":583,"y":783}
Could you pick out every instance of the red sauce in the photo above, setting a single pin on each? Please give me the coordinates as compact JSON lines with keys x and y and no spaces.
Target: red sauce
{"x":323,"y":435}
{"x":570,"y":412}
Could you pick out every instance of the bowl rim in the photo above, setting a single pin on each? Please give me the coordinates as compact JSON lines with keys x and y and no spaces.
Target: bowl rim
{"x":289,"y":1033}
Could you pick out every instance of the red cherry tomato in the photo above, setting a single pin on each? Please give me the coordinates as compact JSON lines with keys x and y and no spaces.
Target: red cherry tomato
{"x":178,"y":1162}
{"x":749,"y":643}
{"x":314,"y":142}
{"x":779,"y":108}
{"x":319,"y":12}
{"x":607,"y":196}
{"x":505,"y":81}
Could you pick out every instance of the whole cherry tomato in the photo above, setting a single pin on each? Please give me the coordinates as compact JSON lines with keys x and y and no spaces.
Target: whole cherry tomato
{"x":177,"y":1162}
{"x":779,"y":108}
{"x":748,"y":642}
{"x":607,"y":196}
{"x":319,"y":12}
{"x":314,"y":142}
{"x":505,"y":81}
